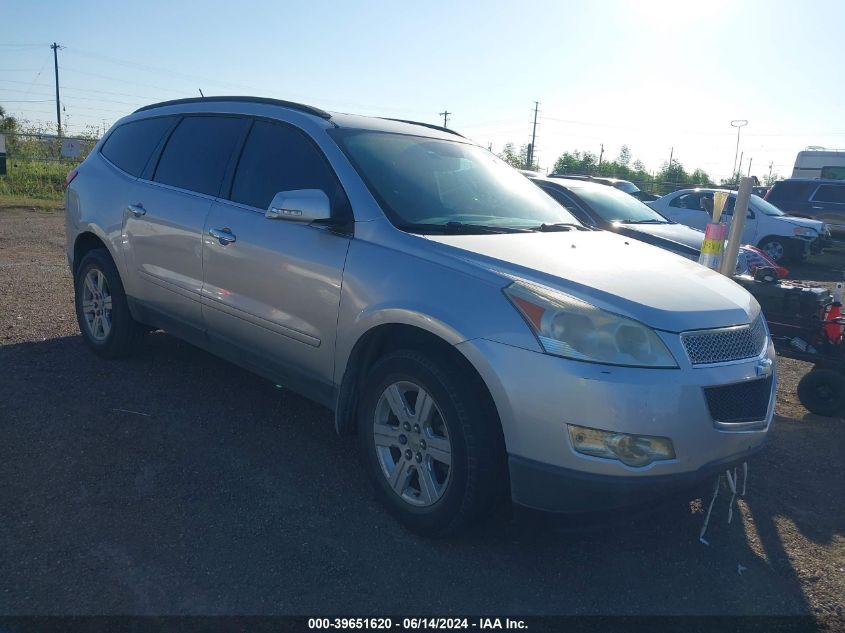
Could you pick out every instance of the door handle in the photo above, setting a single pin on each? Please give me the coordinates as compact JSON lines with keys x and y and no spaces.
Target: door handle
{"x":224,"y":235}
{"x":818,"y":208}
{"x":136,"y":209}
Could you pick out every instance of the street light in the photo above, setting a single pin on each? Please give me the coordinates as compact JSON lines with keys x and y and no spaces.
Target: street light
{"x":738,"y":124}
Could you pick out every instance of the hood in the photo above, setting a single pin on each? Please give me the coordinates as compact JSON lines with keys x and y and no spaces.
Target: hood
{"x":806,"y":222}
{"x":618,"y":274}
{"x":669,"y":231}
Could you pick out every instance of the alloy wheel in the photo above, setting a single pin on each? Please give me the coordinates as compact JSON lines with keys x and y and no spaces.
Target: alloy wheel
{"x":97,"y":305}
{"x":774,"y":249}
{"x":412,"y":444}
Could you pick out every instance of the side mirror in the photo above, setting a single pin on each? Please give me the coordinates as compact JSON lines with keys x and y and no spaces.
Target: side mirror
{"x":300,"y":205}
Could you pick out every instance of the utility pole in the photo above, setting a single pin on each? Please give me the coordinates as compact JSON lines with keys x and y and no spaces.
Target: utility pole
{"x":445,"y":114}
{"x":533,"y":138}
{"x":56,"y":48}
{"x":671,"y":153}
{"x":771,"y":164}
{"x":750,"y":160}
{"x":601,"y":154}
{"x":738,"y":124}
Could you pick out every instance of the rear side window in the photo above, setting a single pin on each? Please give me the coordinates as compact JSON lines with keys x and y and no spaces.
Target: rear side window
{"x":198,"y":152}
{"x":686,"y":201}
{"x":130,"y":146}
{"x":792,"y":191}
{"x":279,"y":158}
{"x":833,"y":172}
{"x":830,"y":193}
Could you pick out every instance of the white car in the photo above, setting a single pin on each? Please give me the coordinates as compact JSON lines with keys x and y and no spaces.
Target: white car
{"x":783,"y":237}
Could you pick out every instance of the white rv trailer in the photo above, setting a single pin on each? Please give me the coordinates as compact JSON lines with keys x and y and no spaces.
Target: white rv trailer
{"x":819,"y":162}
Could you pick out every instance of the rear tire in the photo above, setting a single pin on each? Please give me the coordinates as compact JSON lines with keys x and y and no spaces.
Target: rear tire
{"x":101,"y":307}
{"x":437,"y":466}
{"x":822,"y":391}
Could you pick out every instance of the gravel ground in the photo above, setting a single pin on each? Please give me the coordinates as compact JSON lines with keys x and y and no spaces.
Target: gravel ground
{"x":175,"y":483}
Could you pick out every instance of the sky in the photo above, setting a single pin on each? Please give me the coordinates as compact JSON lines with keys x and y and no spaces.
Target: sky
{"x":660,"y":76}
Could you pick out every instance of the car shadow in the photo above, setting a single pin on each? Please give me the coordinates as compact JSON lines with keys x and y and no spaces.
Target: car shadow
{"x":825,"y":267}
{"x":174,"y":482}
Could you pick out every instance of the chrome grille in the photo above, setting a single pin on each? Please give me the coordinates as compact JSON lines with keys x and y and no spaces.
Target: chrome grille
{"x":726,"y":344}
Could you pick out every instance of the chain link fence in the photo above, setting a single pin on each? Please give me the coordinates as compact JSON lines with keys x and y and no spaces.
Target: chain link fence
{"x":37,"y":164}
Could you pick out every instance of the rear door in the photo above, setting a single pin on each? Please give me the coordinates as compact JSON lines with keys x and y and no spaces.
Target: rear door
{"x":828,"y":204}
{"x":271,"y":288}
{"x":686,"y":209}
{"x":793,"y":197}
{"x":164,"y":224}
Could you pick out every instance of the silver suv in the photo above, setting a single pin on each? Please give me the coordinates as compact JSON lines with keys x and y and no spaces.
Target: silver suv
{"x":478,"y":340}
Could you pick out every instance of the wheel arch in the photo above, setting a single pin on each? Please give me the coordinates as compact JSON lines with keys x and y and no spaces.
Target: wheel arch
{"x":382,"y":339}
{"x":84,"y":243}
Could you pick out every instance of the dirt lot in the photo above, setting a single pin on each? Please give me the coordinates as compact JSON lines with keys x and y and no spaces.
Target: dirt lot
{"x":176,"y":483}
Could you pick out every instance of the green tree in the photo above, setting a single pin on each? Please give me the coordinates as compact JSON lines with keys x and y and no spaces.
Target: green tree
{"x":699,"y":177}
{"x":770,"y":179}
{"x":624,"y":158}
{"x":511,"y":156}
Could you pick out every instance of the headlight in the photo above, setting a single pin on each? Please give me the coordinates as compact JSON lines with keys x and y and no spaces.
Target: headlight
{"x":568,"y":327}
{"x":803,"y":231}
{"x":631,"y":450}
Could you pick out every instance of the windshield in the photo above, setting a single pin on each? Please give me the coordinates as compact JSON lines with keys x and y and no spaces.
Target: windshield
{"x":434,"y":182}
{"x":627,"y":187}
{"x":764,"y":207}
{"x":615,"y":206}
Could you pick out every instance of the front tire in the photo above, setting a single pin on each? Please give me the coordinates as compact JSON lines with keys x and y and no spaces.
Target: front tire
{"x":101,"y":307}
{"x":822,"y":391}
{"x":429,"y":441}
{"x":783,"y":250}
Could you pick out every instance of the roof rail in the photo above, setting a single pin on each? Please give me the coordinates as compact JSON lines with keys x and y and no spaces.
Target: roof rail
{"x":428,"y":125}
{"x":277,"y":102}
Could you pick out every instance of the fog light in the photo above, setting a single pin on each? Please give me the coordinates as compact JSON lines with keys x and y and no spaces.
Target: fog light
{"x":631,"y":450}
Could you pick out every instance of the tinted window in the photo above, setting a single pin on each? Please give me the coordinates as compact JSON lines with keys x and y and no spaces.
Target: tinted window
{"x":833,"y":172}
{"x":627,"y":187}
{"x":198,"y":151}
{"x":792,"y":191}
{"x":131,"y":145}
{"x":830,"y":193}
{"x":687,"y":201}
{"x":570,"y":206}
{"x":279,"y":158}
{"x":616,"y":206}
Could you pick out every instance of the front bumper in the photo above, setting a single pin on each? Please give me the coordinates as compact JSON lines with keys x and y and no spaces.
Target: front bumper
{"x":537,"y":395}
{"x":554,"y":489}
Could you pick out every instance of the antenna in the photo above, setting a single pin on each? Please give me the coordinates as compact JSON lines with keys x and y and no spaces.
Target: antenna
{"x":201,"y":94}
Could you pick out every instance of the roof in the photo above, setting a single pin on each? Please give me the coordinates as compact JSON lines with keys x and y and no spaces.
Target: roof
{"x":338,"y":119}
{"x":563,"y":181}
{"x":610,"y":179}
{"x":818,"y":181}
{"x":229,"y":99}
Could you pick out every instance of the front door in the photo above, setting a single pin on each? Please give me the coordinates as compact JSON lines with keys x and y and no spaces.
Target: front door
{"x":271,"y":288}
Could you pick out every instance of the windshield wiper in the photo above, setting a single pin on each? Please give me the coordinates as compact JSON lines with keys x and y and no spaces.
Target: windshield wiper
{"x":643,"y":222}
{"x":458,"y":228}
{"x":559,"y":226}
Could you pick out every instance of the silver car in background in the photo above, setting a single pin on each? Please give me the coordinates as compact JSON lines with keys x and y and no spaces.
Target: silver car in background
{"x":479,"y":341}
